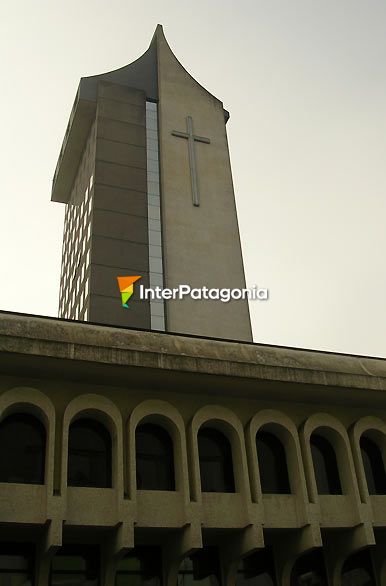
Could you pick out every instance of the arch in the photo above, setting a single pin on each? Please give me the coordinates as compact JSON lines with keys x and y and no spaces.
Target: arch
{"x":215,"y":458}
{"x":154,"y":458}
{"x":284,"y":429}
{"x":309,"y":569}
{"x":226,"y":422}
{"x":164,"y":415}
{"x":357,"y":570}
{"x":333,"y":434}
{"x":32,"y":402}
{"x":89,"y":454}
{"x":371,"y":473}
{"x":104,"y":412}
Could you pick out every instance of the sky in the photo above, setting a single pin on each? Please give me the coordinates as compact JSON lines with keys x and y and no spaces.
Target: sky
{"x":305,"y":83}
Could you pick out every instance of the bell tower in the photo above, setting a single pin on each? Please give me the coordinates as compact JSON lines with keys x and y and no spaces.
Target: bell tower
{"x":144,"y":172}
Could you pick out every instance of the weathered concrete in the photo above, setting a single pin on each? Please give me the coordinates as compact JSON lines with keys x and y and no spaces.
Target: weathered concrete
{"x":60,"y":370}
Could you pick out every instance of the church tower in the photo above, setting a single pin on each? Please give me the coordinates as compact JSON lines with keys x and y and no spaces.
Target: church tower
{"x":145,"y":174}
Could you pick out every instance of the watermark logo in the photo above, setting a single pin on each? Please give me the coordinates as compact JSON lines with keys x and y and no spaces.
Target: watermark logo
{"x":224,"y":295}
{"x":126,"y":287}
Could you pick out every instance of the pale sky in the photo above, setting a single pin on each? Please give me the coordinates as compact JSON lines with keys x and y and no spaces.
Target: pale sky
{"x":305,"y":83}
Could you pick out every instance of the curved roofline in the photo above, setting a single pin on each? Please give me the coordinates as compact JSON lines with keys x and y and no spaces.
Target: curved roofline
{"x":159,"y":31}
{"x":142,"y":75}
{"x":123,"y":66}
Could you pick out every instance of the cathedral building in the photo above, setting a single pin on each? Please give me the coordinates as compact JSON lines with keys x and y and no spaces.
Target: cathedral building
{"x":147,"y":441}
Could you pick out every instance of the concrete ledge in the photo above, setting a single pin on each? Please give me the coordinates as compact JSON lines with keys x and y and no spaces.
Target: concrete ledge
{"x":83,"y":342}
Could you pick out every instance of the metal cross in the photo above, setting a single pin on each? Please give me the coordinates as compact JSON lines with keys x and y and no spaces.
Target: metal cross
{"x":192,"y":157}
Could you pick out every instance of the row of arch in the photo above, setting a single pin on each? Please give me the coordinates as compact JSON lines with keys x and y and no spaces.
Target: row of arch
{"x":271,"y":444}
{"x":81,"y":564}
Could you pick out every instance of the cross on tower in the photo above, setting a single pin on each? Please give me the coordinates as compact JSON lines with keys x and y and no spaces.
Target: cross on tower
{"x":192,"y":156}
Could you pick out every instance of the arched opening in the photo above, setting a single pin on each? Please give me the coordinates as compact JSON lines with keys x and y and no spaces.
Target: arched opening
{"x":16,"y":564}
{"x":76,"y":565}
{"x":216,"y":464}
{"x":141,"y":566}
{"x":154,"y":458}
{"x":201,"y":568}
{"x":373,"y":465}
{"x":272,"y":464}
{"x":89,"y":454}
{"x":357,"y":570}
{"x":22,"y":449}
{"x":325,"y":466}
{"x":309,"y":570}
{"x":257,"y":569}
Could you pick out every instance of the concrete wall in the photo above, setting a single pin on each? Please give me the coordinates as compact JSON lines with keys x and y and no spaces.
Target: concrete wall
{"x":120,"y":224}
{"x":75,"y":274}
{"x":201,"y":244}
{"x":61,"y":371}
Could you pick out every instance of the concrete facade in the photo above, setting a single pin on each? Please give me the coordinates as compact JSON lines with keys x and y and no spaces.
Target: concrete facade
{"x":60,"y":371}
{"x":137,"y":164}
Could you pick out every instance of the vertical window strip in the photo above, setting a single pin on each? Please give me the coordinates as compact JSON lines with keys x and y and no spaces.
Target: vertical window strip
{"x":157,"y":308}
{"x":74,"y":257}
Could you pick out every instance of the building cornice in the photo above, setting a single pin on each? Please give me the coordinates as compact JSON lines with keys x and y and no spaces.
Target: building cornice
{"x":26,"y":335}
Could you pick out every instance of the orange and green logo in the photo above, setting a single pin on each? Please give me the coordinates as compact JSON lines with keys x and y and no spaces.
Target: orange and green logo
{"x":126,"y":287}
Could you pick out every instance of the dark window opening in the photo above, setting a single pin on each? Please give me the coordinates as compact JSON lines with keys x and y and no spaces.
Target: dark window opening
{"x":325,"y":466}
{"x":257,"y":569}
{"x":216,"y":464}
{"x":373,"y":465}
{"x":16,"y":564}
{"x":140,"y":567}
{"x":76,"y":566}
{"x":22,"y":449}
{"x":357,"y":570}
{"x":272,"y":464}
{"x":89,"y":454}
{"x":154,"y":458}
{"x":201,"y":568}
{"x":309,"y":570}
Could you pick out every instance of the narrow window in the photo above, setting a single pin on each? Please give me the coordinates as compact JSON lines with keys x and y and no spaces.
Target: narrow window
{"x":89,"y":454}
{"x":22,"y":449}
{"x":155,"y":459}
{"x":272,"y":464}
{"x":325,"y":466}
{"x":373,"y":465}
{"x":216,"y":466}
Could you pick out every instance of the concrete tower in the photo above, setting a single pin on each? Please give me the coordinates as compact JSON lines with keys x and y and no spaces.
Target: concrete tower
{"x":145,"y":174}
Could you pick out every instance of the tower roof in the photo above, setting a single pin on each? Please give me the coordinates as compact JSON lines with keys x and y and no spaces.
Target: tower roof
{"x":141,"y":74}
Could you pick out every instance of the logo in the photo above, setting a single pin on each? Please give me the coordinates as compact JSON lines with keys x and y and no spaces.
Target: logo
{"x":224,"y":295}
{"x":126,"y":287}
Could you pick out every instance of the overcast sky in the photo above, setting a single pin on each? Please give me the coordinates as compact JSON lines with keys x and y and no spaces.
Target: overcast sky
{"x":305,"y":83}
